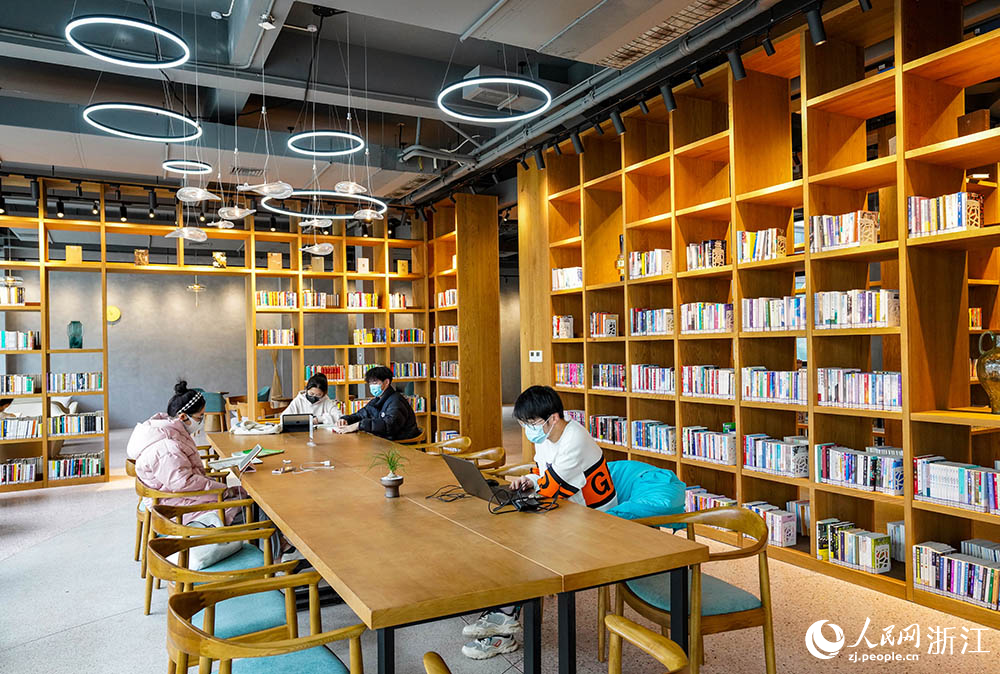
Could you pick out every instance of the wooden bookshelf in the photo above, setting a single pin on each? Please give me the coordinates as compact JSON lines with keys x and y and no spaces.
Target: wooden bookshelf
{"x":723,"y":164}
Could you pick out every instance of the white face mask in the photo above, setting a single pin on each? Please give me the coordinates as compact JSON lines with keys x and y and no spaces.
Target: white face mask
{"x":194,"y":426}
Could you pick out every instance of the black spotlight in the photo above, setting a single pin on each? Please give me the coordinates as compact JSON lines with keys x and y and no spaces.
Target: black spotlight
{"x":668,"y":97}
{"x":539,"y":158}
{"x":35,"y":190}
{"x":274,"y":223}
{"x":152,"y":204}
{"x":3,"y":205}
{"x":555,"y":146}
{"x":201,"y":214}
{"x":643,"y":107}
{"x":60,"y":209}
{"x":95,"y":209}
{"x":618,"y":122}
{"x":577,"y":143}
{"x":496,"y":178}
{"x":79,"y":190}
{"x":122,"y":213}
{"x":736,"y":63}
{"x":451,"y":198}
{"x":768,"y":45}
{"x":523,"y":164}
{"x":597,"y":128}
{"x":472,"y":188}
{"x":865,"y":5}
{"x":816,"y":30}
{"x":696,"y":78}
{"x":433,"y":210}
{"x":419,"y":213}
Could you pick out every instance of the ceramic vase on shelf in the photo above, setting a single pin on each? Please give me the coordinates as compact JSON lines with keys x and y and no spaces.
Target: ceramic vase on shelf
{"x":74,"y":331}
{"x":988,"y":371}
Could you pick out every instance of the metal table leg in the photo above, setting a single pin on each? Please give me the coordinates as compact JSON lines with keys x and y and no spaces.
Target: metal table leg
{"x":386,"y":650}
{"x":567,"y":633}
{"x":679,"y":609}
{"x":531,"y":612}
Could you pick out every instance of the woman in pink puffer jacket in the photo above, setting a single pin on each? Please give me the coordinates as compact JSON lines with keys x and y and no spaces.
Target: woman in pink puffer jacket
{"x":167,"y":459}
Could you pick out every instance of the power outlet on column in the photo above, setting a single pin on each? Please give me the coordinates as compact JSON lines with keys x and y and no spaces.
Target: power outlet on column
{"x":534,"y":356}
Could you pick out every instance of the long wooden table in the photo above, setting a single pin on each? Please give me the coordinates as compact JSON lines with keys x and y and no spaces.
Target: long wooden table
{"x":404,"y":561}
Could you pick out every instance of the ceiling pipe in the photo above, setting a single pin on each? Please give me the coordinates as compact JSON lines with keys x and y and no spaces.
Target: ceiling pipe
{"x":461,"y":133}
{"x":420,"y":151}
{"x":486,"y":16}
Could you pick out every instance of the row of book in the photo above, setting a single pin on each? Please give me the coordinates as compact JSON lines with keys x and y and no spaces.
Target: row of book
{"x":408,"y":336}
{"x":579,"y":416}
{"x":654,"y":436}
{"x":70,"y":382}
{"x":704,"y":444}
{"x":357,"y":371}
{"x":351,"y":406}
{"x":448,"y":404}
{"x":283,"y":337}
{"x":12,"y":296}
{"x":603,"y":324}
{"x":85,"y":423}
{"x":409,"y":370}
{"x":312,"y":299}
{"x":788,"y":457}
{"x":283,"y":299}
{"x":771,"y":314}
{"x":16,"y":340}
{"x":781,"y":527}
{"x":708,"y":381}
{"x":609,"y":428}
{"x":21,"y":471}
{"x":447,"y":334}
{"x":397,"y":300}
{"x":852,"y":388}
{"x":417,"y":403}
{"x":707,"y":254}
{"x":775,"y":386}
{"x":570,"y":375}
{"x":20,"y":384}
{"x":766,"y":244}
{"x":656,"y":262}
{"x":878,"y":469}
{"x":897,"y":539}
{"x":976,"y":317}
{"x":698,"y":498}
{"x":653,"y":379}
{"x":607,"y":376}
{"x":567,"y":278}
{"x":856,"y":309}
{"x":562,"y":327}
{"x":359,"y":300}
{"x":842,"y":543}
{"x":831,"y":232}
{"x":649,"y":322}
{"x":20,"y":428}
{"x":448,"y":369}
{"x":961,"y":485}
{"x":90,"y":464}
{"x":447,"y":298}
{"x":947,"y":213}
{"x":972,"y":575}
{"x":332,"y":372}
{"x":368,"y":336}
{"x":706,"y":317}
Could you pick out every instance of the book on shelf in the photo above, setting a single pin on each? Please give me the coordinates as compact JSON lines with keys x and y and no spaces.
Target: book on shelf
{"x":21,"y":471}
{"x":788,"y":457}
{"x":20,"y":428}
{"x":16,"y":340}
{"x":449,"y":404}
{"x":359,"y":300}
{"x":12,"y":296}
{"x":607,"y":376}
{"x":897,"y":540}
{"x":562,"y":327}
{"x":975,"y":318}
{"x":851,"y":388}
{"x":708,"y":381}
{"x":832,"y":232}
{"x":277,"y":299}
{"x":417,"y":403}
{"x":856,"y":309}
{"x":448,"y":369}
{"x":567,"y":278}
{"x":84,"y":464}
{"x":859,"y":549}
{"x":706,"y":254}
{"x":447,"y":298}
{"x":956,"y":484}
{"x":373,"y":336}
{"x":284,"y":337}
{"x":781,"y":529}
{"x":84,"y":423}
{"x":410,"y":370}
{"x":274,"y":261}
{"x":772,"y":314}
{"x":363,"y":265}
{"x":447,"y":334}
{"x":656,"y":379}
{"x":704,"y":444}
{"x":570,"y":375}
{"x":800,"y":508}
{"x":644,"y":264}
{"x":651,"y":435}
{"x":333,"y":373}
{"x":579,"y":416}
{"x":357,"y":371}
{"x":74,"y":382}
{"x":312,"y":299}
{"x":876,"y":469}
{"x":699,"y":317}
{"x":352,"y":406}
{"x":774,"y":386}
{"x":972,"y":575}
{"x":765,"y":244}
{"x":603,"y":324}
{"x":20,"y":384}
{"x":609,"y":428}
{"x":408,"y":336}
{"x":441,"y":436}
{"x":948,"y":213}
{"x":397,"y":300}
{"x":652,"y":322}
{"x":698,"y":498}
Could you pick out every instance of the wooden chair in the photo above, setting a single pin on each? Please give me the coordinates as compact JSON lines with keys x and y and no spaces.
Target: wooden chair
{"x":716,"y":606}
{"x":459,"y":443}
{"x":140,"y":513}
{"x":185,"y":641}
{"x":511,"y":471}
{"x":435,"y":664}
{"x":415,"y":440}
{"x":237,"y":404}
{"x":485,"y":459}
{"x":662,"y":649}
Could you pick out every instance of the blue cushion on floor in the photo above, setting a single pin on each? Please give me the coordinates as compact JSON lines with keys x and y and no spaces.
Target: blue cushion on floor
{"x":717,"y":596}
{"x":310,"y":661}
{"x":247,"y":558}
{"x":246,"y":614}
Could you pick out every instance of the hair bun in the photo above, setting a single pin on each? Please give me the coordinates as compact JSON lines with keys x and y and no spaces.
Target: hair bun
{"x":181,"y":387}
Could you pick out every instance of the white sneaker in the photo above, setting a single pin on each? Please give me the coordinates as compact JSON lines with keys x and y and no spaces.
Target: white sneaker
{"x":492,"y":623}
{"x":487,"y":647}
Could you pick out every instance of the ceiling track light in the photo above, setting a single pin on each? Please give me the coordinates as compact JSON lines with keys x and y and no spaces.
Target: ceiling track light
{"x":577,"y":143}
{"x":122,"y":213}
{"x":496,"y":178}
{"x":668,"y":97}
{"x":152,"y":204}
{"x":643,"y":107}
{"x":452,"y":199}
{"x":3,"y":205}
{"x":816,"y":30}
{"x":523,"y":163}
{"x":768,"y":45}
{"x":597,"y":128}
{"x":79,"y":190}
{"x":865,"y":5}
{"x":201,"y":214}
{"x":95,"y":209}
{"x":35,"y":190}
{"x":60,"y":209}
{"x":539,"y":158}
{"x":433,"y":210}
{"x":736,"y":63}
{"x":618,"y":122}
{"x":696,"y":78}
{"x":556,"y":148}
{"x":274,"y":223}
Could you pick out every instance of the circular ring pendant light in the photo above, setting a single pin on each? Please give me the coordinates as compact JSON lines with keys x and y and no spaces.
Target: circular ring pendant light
{"x":378,"y":205}
{"x":504,"y":79}
{"x":89,"y":111}
{"x":357,"y":143}
{"x":186,"y":166}
{"x":96,"y":19}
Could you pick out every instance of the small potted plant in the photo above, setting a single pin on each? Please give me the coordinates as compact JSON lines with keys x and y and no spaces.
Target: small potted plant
{"x":393,"y":460}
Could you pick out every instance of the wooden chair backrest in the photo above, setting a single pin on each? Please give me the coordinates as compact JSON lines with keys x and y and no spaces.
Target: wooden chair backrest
{"x":130,"y":468}
{"x":457,"y":444}
{"x":665,"y":651}
{"x":165,"y":520}
{"x":485,"y":459}
{"x":435,"y":664}
{"x":740,"y":520}
{"x":145,"y":491}
{"x":161,"y":549}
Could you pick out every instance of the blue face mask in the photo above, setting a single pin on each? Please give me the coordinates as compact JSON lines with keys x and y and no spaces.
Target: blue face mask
{"x":536,"y":434}
{"x":375,"y":389}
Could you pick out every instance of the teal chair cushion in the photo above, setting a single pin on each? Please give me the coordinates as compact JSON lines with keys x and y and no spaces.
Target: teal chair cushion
{"x":214,"y":403}
{"x":247,"y":558}
{"x":717,"y":596}
{"x":246,"y":614}
{"x":645,"y":491}
{"x":264,"y":394}
{"x":317,"y":660}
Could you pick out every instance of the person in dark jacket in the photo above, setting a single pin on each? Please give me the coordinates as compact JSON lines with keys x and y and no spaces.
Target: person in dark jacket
{"x":388,"y":415}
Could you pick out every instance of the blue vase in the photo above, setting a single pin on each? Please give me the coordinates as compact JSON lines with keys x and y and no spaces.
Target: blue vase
{"x":75,"y":333}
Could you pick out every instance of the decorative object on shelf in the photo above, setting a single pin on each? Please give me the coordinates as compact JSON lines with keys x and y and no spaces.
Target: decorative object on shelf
{"x":394,"y":461}
{"x":74,"y":331}
{"x":497,"y":89}
{"x":195,"y":234}
{"x":402,"y":267}
{"x":318,"y":263}
{"x":364,"y":265}
{"x":74,"y":254}
{"x":274,"y":261}
{"x":114,"y":314}
{"x":219,"y":259}
{"x":157,"y":31}
{"x":988,"y":371}
{"x":197,"y":289}
{"x":141,"y":257}
{"x":91,"y":110}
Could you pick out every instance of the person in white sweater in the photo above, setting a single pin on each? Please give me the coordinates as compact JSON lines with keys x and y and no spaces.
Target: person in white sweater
{"x":315,"y":401}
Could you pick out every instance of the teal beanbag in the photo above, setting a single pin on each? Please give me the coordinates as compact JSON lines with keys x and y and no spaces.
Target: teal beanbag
{"x":645,"y":491}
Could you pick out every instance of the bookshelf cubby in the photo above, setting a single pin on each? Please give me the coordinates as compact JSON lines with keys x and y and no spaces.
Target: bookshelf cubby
{"x":810,"y":131}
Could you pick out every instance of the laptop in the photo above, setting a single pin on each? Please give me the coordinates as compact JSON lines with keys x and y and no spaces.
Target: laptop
{"x":295,"y":423}
{"x":473,"y":482}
